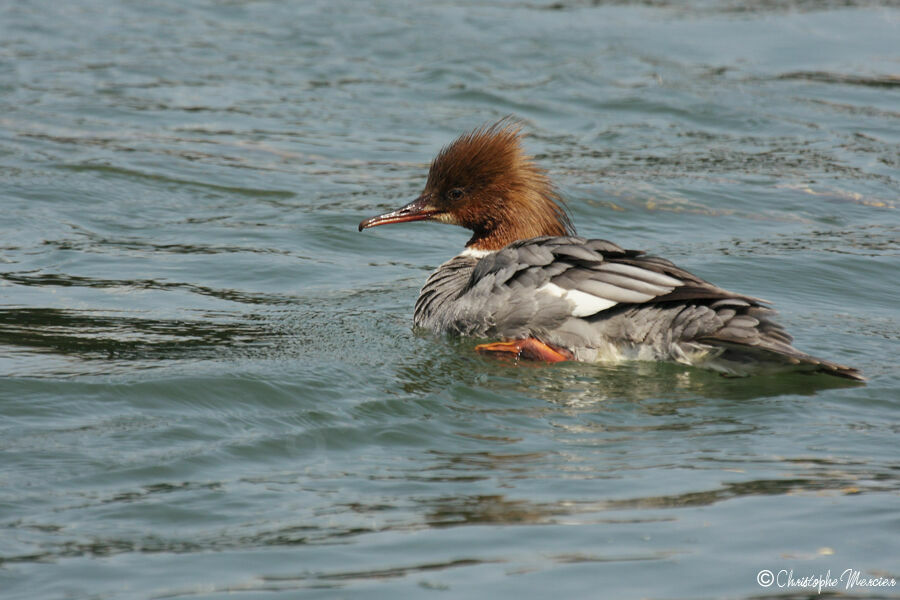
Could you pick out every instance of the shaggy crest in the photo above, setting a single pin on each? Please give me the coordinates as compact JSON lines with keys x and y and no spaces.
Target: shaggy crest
{"x":486,"y":183}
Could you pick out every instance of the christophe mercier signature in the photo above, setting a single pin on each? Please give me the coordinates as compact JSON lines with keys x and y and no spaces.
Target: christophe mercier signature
{"x":849,"y":578}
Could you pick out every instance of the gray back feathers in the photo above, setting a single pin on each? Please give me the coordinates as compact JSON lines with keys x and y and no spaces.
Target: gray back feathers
{"x":586,"y":295}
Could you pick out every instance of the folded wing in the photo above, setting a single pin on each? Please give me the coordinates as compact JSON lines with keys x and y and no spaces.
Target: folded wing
{"x":592,"y":276}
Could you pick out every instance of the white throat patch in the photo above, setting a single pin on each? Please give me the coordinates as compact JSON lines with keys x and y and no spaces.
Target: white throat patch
{"x":476,"y":253}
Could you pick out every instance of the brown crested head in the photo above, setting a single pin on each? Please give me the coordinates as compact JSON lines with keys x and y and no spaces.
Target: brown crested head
{"x":485,"y":182}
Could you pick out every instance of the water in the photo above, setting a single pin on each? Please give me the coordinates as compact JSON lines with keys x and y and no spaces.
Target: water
{"x":210,"y":387}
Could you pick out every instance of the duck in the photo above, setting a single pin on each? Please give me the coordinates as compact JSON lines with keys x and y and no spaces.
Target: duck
{"x":526,"y":281}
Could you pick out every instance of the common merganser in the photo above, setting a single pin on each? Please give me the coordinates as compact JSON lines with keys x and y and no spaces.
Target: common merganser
{"x":525,"y":278}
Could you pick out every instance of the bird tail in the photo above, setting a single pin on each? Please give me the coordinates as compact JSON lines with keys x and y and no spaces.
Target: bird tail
{"x":776,"y":356}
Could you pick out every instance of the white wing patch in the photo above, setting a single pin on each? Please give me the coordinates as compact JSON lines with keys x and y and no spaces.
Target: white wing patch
{"x":612,"y":284}
{"x":585,"y":304}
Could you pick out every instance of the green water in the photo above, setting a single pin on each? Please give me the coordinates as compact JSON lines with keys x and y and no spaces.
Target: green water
{"x":210,"y":386}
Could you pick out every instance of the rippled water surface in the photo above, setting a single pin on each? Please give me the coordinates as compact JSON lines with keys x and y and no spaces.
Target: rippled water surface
{"x":210,"y":385}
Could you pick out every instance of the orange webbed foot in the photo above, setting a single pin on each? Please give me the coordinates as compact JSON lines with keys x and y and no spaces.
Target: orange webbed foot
{"x":529,"y":349}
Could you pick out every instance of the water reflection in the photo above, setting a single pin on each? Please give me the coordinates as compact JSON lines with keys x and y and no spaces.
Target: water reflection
{"x":65,"y":280}
{"x":885,"y":81}
{"x":98,"y":335}
{"x":453,"y":364}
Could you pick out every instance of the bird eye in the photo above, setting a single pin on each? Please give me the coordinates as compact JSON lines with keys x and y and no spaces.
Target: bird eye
{"x":455,"y":194}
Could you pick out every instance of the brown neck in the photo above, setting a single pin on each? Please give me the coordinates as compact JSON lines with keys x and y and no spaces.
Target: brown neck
{"x":529,"y":214}
{"x":505,"y":233}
